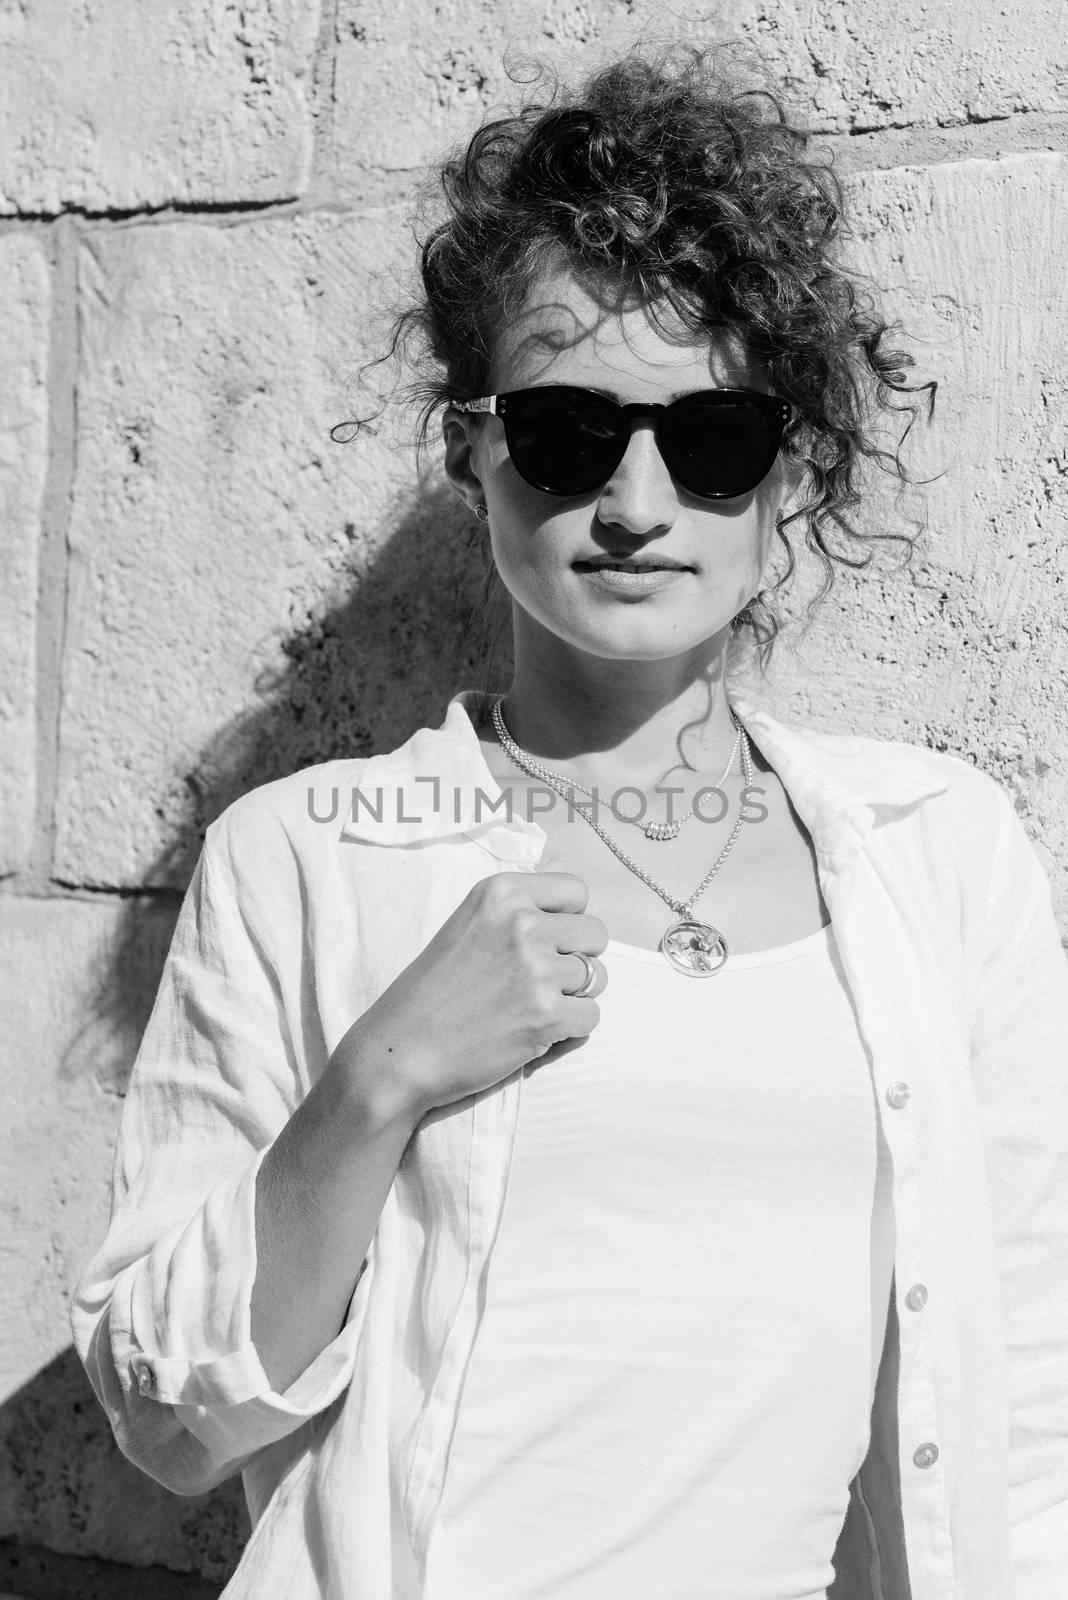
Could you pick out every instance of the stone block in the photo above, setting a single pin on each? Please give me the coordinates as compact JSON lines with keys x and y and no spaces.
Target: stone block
{"x":859,"y":65}
{"x":970,"y":654}
{"x":80,"y":977}
{"x":24,"y":338}
{"x":408,"y":84}
{"x":119,"y":107}
{"x":245,"y":595}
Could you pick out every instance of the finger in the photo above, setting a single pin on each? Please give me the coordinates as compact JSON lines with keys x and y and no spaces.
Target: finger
{"x":570,"y":931}
{"x":558,"y":891}
{"x":580,"y":1017}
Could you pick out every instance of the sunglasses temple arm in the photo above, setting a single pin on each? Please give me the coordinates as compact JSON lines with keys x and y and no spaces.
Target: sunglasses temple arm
{"x":486,"y":404}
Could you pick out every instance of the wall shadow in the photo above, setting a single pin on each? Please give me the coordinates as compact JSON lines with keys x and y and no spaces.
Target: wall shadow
{"x":70,"y":1498}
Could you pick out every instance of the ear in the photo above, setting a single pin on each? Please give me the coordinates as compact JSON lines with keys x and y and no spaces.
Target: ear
{"x":461,"y":432}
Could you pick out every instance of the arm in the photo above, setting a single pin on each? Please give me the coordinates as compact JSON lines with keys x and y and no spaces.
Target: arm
{"x":311,"y":1230}
{"x":1020,"y":1068}
{"x":163,"y":1316}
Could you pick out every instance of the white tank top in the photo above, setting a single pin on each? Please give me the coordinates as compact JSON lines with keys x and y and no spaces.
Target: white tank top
{"x":671,"y":1385}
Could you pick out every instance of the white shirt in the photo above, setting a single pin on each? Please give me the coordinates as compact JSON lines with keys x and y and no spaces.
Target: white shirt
{"x":695,"y":1253}
{"x":292,"y":927}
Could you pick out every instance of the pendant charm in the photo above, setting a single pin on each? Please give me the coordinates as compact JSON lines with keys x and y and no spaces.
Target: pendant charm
{"x":695,"y":948}
{"x":663,"y":830}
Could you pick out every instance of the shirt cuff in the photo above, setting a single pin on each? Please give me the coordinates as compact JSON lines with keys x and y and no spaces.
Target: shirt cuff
{"x":234,"y":1429}
{"x":194,"y":1300}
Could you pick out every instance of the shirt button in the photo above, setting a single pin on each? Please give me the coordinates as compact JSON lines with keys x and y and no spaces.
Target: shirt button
{"x":897,"y":1094}
{"x":916,"y":1298}
{"x":925,"y":1455}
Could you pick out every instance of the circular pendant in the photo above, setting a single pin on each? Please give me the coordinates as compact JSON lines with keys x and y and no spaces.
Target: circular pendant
{"x":663,"y":830}
{"x":695,"y":948}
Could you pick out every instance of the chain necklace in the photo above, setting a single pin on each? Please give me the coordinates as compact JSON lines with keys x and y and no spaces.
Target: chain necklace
{"x":654,"y":829}
{"x":693,"y":947}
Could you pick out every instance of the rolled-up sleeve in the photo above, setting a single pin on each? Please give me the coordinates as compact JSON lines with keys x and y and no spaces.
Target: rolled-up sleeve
{"x":1020,"y":1067}
{"x":162,"y":1314}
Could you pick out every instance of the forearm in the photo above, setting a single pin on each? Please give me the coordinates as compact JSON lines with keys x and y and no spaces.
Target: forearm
{"x":319,"y":1194}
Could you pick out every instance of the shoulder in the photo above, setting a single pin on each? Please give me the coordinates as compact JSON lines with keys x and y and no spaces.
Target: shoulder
{"x":961,"y":778}
{"x":881,"y":773}
{"x":930,"y":816}
{"x":949,"y":818}
{"x":307,"y":810}
{"x":947,"y":829}
{"x":942,"y":792}
{"x":284,"y":817}
{"x":304,"y":813}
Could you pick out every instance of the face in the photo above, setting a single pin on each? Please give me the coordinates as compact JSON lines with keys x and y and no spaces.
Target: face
{"x":701,"y":560}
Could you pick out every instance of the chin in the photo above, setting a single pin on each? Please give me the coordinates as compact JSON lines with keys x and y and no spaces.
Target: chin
{"x":657,"y":640}
{"x":653,"y":629}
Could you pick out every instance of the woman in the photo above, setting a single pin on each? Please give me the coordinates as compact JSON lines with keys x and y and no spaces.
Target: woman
{"x":626,"y":1154}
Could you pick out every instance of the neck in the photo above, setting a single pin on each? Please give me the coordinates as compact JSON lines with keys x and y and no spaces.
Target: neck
{"x":644,"y":719}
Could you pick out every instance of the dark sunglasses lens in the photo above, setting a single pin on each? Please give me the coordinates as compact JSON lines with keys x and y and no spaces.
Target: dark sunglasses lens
{"x":562,"y":441}
{"x":721,"y":445}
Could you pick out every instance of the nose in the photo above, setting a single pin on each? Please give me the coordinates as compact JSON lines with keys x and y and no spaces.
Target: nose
{"x":640,"y":496}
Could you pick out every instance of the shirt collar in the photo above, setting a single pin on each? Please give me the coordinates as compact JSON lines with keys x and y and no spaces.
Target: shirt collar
{"x":437,"y":785}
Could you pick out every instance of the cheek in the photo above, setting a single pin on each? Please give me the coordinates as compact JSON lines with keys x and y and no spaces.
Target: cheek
{"x":507,"y":553}
{"x":743,"y":542}
{"x":524,"y":546}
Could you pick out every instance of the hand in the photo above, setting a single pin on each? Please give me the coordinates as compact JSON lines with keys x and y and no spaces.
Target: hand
{"x":492,"y":990}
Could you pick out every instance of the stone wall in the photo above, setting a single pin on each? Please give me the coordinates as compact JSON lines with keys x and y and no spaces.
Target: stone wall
{"x":201,"y":227}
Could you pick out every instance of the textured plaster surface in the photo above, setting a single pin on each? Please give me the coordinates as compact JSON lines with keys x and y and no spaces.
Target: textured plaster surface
{"x":24,"y":330}
{"x":213,"y":519}
{"x":850,"y":65}
{"x":977,"y":637}
{"x":114,"y":106}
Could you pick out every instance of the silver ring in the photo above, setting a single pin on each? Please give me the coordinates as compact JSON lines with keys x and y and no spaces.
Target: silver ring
{"x":589,"y":980}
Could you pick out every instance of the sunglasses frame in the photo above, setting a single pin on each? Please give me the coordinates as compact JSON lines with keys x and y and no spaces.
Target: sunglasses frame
{"x":775,"y":409}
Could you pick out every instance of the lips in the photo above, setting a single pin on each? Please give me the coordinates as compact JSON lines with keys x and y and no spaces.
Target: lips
{"x":635,"y":564}
{"x":630,"y":579}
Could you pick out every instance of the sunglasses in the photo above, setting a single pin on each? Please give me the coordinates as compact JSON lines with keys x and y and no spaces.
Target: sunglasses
{"x":717,"y":443}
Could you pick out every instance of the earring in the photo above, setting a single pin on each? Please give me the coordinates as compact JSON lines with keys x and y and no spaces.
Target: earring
{"x":482,"y":513}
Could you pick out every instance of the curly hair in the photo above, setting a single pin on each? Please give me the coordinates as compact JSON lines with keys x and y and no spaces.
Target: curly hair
{"x":678,"y":179}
